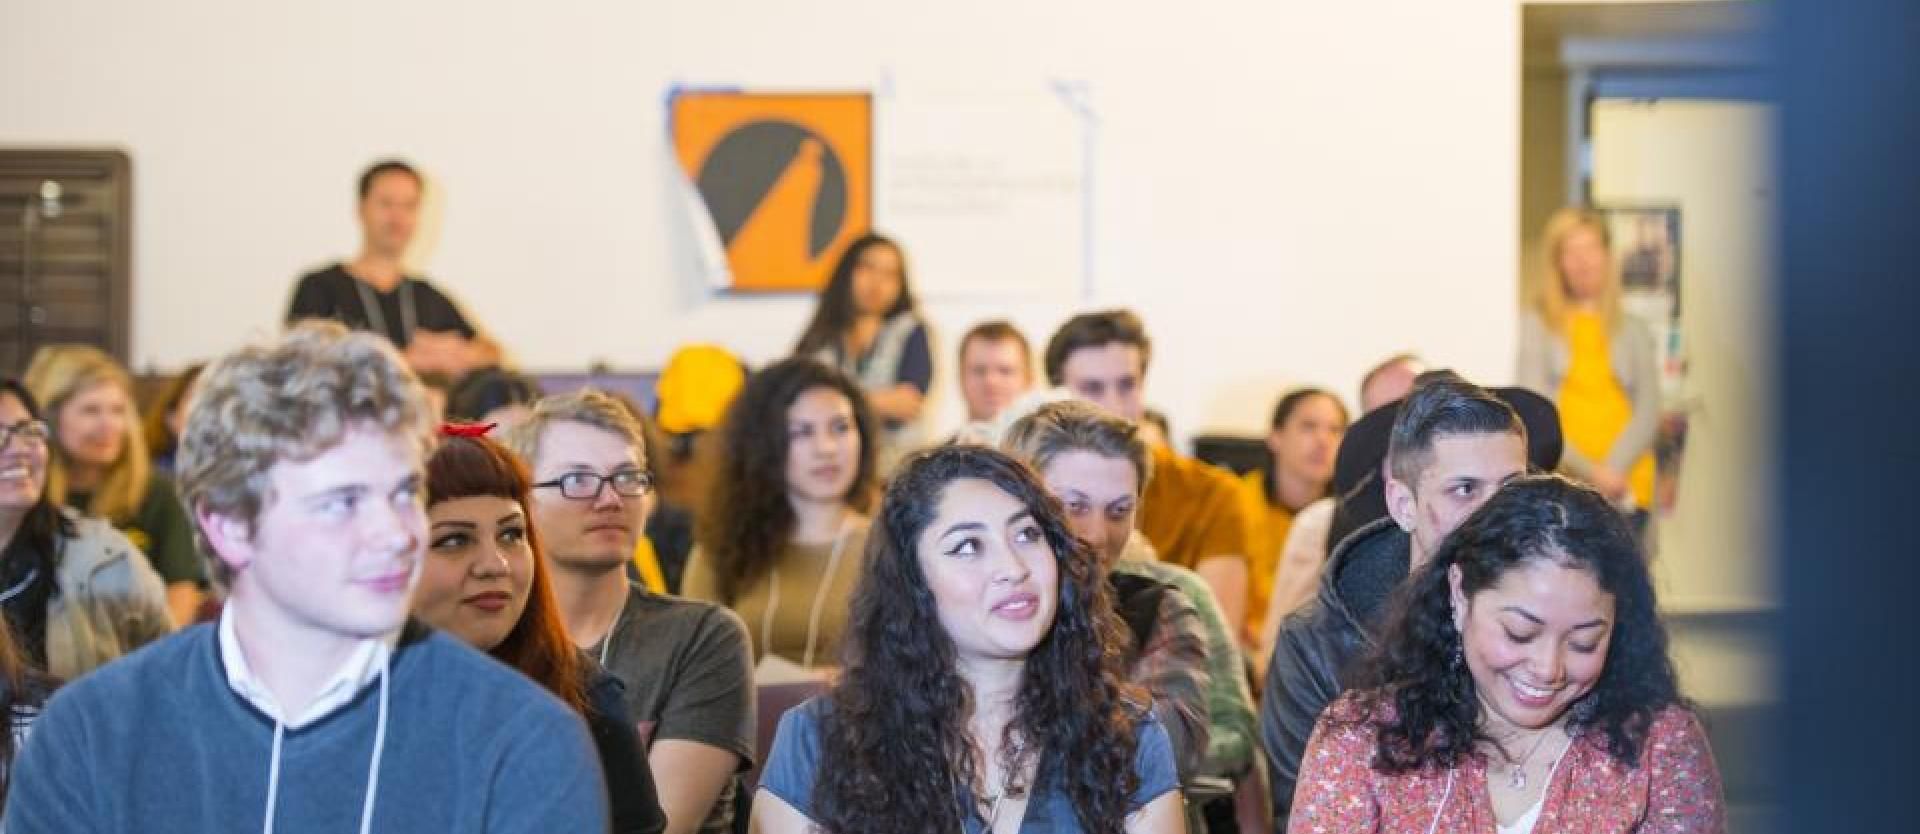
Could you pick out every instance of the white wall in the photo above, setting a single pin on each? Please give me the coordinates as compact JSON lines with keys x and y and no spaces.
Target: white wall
{"x":1288,"y":191}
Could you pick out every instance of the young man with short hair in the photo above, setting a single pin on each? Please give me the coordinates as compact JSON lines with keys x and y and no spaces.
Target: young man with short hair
{"x":314,"y":704}
{"x":373,"y":292}
{"x":1453,"y":445}
{"x":996,"y":367}
{"x":1099,"y":465}
{"x":687,"y":665}
{"x":1193,"y":513}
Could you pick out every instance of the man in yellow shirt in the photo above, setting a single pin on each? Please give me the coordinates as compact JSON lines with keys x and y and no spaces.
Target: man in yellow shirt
{"x":1193,"y":513}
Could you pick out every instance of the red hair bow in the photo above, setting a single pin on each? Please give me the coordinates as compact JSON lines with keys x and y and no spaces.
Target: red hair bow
{"x":466,"y":429}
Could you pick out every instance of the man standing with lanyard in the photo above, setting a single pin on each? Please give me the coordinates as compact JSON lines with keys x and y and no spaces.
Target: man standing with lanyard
{"x":373,"y":291}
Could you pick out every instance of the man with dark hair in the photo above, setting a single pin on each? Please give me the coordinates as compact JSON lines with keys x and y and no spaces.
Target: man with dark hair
{"x":1453,"y":444}
{"x":1192,"y":513}
{"x":373,"y":291}
{"x":996,"y":367}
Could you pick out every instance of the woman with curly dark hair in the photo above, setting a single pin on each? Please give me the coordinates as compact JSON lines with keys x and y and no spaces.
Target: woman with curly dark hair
{"x":1524,"y":679}
{"x":781,"y":536}
{"x":981,"y":690}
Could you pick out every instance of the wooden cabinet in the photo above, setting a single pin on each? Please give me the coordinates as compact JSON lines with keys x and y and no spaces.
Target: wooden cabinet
{"x":66,"y":239}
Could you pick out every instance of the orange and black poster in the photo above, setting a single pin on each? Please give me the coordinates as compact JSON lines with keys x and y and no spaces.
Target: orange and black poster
{"x":786,"y":178}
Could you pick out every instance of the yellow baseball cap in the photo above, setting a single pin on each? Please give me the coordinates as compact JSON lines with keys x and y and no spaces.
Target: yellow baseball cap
{"x":696,"y":387}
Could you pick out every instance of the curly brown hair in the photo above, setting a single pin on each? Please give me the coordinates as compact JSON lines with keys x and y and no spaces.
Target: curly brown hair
{"x":748,"y":518}
{"x":896,"y":733}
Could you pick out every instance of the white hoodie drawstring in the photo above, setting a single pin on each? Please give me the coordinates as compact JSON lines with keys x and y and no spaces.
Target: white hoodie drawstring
{"x":273,"y":775}
{"x":373,"y":769}
{"x":1443,"y":802}
{"x":379,"y":746}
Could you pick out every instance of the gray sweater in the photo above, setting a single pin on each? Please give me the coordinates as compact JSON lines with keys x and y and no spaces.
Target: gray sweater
{"x":110,"y":601}
{"x":1544,"y":358}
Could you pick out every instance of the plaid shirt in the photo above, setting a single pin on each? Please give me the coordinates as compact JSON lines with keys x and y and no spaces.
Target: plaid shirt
{"x":1230,"y":717}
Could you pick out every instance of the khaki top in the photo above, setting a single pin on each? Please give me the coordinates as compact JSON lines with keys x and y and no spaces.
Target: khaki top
{"x":799,"y":579}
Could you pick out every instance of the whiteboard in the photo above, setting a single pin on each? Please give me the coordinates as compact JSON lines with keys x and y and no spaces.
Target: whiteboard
{"x":986,"y":188}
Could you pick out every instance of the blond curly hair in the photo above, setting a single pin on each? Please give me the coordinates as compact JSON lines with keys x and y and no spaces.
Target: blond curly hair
{"x":289,"y":399}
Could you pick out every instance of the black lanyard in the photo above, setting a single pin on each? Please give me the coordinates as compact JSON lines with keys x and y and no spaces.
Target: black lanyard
{"x":377,"y":319}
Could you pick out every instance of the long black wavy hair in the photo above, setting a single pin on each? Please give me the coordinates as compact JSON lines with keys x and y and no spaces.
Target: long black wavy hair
{"x":1420,"y":697}
{"x":24,"y":688}
{"x":38,"y":538}
{"x":897,"y":755}
{"x":835,"y":312}
{"x":748,"y":518}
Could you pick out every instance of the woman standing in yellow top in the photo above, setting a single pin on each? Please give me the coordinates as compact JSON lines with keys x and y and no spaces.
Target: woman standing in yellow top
{"x":1597,"y":364}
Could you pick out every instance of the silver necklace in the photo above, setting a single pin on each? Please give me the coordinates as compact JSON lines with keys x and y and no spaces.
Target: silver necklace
{"x":1517,"y":779}
{"x":1013,"y":785}
{"x":606,"y":643}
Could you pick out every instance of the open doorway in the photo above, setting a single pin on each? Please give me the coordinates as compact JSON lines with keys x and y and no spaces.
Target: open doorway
{"x":1659,"y":115}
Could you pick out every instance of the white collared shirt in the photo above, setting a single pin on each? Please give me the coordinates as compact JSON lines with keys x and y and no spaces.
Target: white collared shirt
{"x":361,"y":668}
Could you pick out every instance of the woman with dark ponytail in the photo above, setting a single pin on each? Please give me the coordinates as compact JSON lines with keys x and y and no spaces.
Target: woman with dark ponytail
{"x":1523,"y":679}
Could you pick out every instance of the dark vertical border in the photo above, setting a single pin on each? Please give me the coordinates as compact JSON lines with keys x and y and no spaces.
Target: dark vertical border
{"x":1845,"y":506}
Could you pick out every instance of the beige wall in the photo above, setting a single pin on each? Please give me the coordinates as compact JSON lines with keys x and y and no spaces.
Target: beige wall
{"x":1543,"y":160}
{"x":1288,"y":191}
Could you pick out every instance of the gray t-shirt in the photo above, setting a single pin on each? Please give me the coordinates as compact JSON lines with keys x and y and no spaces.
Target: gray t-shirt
{"x":688,"y":670}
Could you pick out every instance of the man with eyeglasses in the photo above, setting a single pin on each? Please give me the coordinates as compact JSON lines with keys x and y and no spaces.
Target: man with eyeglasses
{"x":686,"y":665}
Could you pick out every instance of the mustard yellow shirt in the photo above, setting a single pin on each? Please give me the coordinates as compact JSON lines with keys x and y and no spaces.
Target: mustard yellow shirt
{"x":1193,"y":510}
{"x":1271,"y":523}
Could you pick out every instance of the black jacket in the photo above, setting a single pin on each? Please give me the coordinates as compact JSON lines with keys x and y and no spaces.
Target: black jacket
{"x":631,"y":796}
{"x":1317,"y":643}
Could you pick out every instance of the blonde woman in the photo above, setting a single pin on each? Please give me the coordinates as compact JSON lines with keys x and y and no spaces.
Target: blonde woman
{"x":1596,"y":363}
{"x":99,"y":465}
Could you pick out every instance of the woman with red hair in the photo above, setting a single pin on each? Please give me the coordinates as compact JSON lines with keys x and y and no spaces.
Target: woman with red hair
{"x":484,"y":582}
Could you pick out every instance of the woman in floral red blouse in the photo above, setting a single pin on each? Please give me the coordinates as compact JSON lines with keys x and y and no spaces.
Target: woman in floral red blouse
{"x":1523,"y":685}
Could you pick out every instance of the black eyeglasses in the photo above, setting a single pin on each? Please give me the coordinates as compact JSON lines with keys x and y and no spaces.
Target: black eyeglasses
{"x":627,"y":483}
{"x":28,"y":431}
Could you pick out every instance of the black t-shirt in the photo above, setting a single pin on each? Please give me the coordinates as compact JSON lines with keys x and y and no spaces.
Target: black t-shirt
{"x":333,"y":294}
